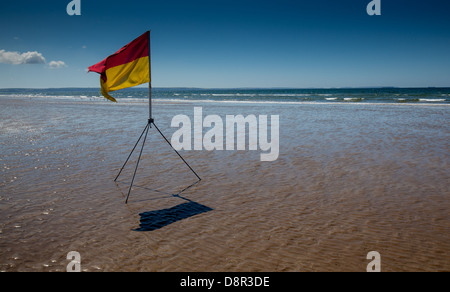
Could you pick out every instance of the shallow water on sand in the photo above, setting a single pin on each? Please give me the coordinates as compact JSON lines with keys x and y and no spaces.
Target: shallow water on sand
{"x":350,"y":179}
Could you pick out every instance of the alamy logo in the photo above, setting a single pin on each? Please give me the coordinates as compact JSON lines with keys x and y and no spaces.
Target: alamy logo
{"x":375,"y":264}
{"x":235,"y":131}
{"x":74,"y":8}
{"x":75,"y":262}
{"x":374,"y":8}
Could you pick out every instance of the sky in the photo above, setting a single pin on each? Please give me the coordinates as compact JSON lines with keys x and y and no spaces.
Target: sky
{"x":231,"y":44}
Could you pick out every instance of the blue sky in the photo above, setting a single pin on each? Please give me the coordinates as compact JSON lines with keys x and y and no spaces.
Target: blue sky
{"x":227,"y":44}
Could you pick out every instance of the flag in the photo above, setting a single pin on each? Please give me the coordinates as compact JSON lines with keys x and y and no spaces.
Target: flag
{"x":129,"y":67}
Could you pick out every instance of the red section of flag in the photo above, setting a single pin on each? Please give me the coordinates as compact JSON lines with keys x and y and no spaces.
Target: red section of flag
{"x":134,"y":50}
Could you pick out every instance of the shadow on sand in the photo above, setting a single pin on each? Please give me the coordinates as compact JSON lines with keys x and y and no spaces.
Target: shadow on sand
{"x":154,"y":220}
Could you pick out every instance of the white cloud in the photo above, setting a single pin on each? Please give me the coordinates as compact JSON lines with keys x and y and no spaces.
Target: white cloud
{"x":17,"y":58}
{"x":56,"y":64}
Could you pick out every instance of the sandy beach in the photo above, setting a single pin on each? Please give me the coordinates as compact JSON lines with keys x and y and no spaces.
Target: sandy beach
{"x":350,"y":179}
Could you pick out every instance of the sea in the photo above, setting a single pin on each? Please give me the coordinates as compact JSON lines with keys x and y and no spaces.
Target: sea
{"x":249,"y":95}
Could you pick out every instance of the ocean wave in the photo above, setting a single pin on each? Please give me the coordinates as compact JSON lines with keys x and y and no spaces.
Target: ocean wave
{"x":223,"y":94}
{"x":289,"y":94}
{"x":260,"y":94}
{"x":30,"y":96}
{"x":272,"y":102}
{"x":432,"y":99}
{"x":354,"y":99}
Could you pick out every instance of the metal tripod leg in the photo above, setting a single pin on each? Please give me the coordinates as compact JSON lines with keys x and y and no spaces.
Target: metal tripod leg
{"x":129,"y":156}
{"x":176,"y":151}
{"x":137,"y":164}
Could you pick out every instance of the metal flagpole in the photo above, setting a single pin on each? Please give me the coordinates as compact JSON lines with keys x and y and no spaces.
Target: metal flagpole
{"x":150,"y":120}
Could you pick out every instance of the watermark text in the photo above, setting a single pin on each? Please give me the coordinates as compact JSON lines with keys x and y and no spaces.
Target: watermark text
{"x":74,"y":8}
{"x":234,"y":137}
{"x":375,"y":264}
{"x":75,"y":262}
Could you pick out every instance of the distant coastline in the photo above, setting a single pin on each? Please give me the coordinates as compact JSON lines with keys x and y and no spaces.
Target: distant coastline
{"x":378,"y":95}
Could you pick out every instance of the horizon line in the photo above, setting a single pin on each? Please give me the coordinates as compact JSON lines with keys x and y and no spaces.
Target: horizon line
{"x":239,"y":88}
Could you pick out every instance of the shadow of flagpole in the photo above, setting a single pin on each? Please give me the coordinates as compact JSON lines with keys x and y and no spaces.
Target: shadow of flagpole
{"x":157,"y":219}
{"x":154,"y":220}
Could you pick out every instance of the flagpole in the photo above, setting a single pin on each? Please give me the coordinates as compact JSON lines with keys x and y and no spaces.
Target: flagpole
{"x":150,"y":79}
{"x":149,"y":125}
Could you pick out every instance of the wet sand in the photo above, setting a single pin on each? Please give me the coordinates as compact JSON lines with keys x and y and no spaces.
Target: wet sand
{"x":350,"y":179}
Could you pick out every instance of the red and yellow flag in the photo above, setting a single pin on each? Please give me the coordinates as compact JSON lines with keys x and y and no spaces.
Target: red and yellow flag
{"x":129,"y":67}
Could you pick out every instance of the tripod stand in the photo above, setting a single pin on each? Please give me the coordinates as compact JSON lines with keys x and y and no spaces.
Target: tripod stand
{"x":144,"y":134}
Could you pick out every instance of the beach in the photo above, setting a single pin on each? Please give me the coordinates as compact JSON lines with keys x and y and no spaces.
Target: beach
{"x":350,"y":178}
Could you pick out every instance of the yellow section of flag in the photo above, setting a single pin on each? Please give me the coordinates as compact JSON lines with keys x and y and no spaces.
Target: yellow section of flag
{"x":126,"y":75}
